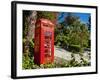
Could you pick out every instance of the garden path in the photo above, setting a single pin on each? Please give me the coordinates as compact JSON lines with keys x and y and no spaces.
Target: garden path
{"x":61,"y":53}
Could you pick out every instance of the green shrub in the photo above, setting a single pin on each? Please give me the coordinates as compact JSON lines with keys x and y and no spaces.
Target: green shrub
{"x":27,"y":62}
{"x":75,"y":48}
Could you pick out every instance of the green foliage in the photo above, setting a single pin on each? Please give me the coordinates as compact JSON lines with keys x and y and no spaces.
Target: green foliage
{"x":28,"y":45}
{"x":70,"y":19}
{"x":27,"y":62}
{"x":73,"y":35}
{"x":75,"y":48}
{"x":32,"y":43}
{"x":25,"y":25}
{"x":85,"y":63}
{"x":73,"y":63}
{"x":45,"y":15}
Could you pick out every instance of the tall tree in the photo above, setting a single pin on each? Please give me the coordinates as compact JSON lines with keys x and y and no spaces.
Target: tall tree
{"x":47,"y":15}
{"x":89,"y":23}
{"x":29,"y":20}
{"x":74,"y":34}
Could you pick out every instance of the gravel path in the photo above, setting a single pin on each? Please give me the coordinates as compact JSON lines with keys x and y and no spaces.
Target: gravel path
{"x":67,"y":56}
{"x":61,"y":53}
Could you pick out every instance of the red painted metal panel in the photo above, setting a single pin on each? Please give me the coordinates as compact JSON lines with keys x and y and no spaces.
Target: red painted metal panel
{"x":44,"y":35}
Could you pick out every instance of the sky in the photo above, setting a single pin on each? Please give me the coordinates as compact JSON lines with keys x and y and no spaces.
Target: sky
{"x":82,"y":16}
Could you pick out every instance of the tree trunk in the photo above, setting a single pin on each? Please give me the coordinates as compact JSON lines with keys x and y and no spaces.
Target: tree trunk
{"x":31,"y":20}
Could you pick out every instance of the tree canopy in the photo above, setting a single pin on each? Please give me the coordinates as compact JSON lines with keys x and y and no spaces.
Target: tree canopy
{"x":72,"y":35}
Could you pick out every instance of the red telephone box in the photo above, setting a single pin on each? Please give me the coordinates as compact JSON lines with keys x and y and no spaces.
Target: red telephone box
{"x":44,"y":42}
